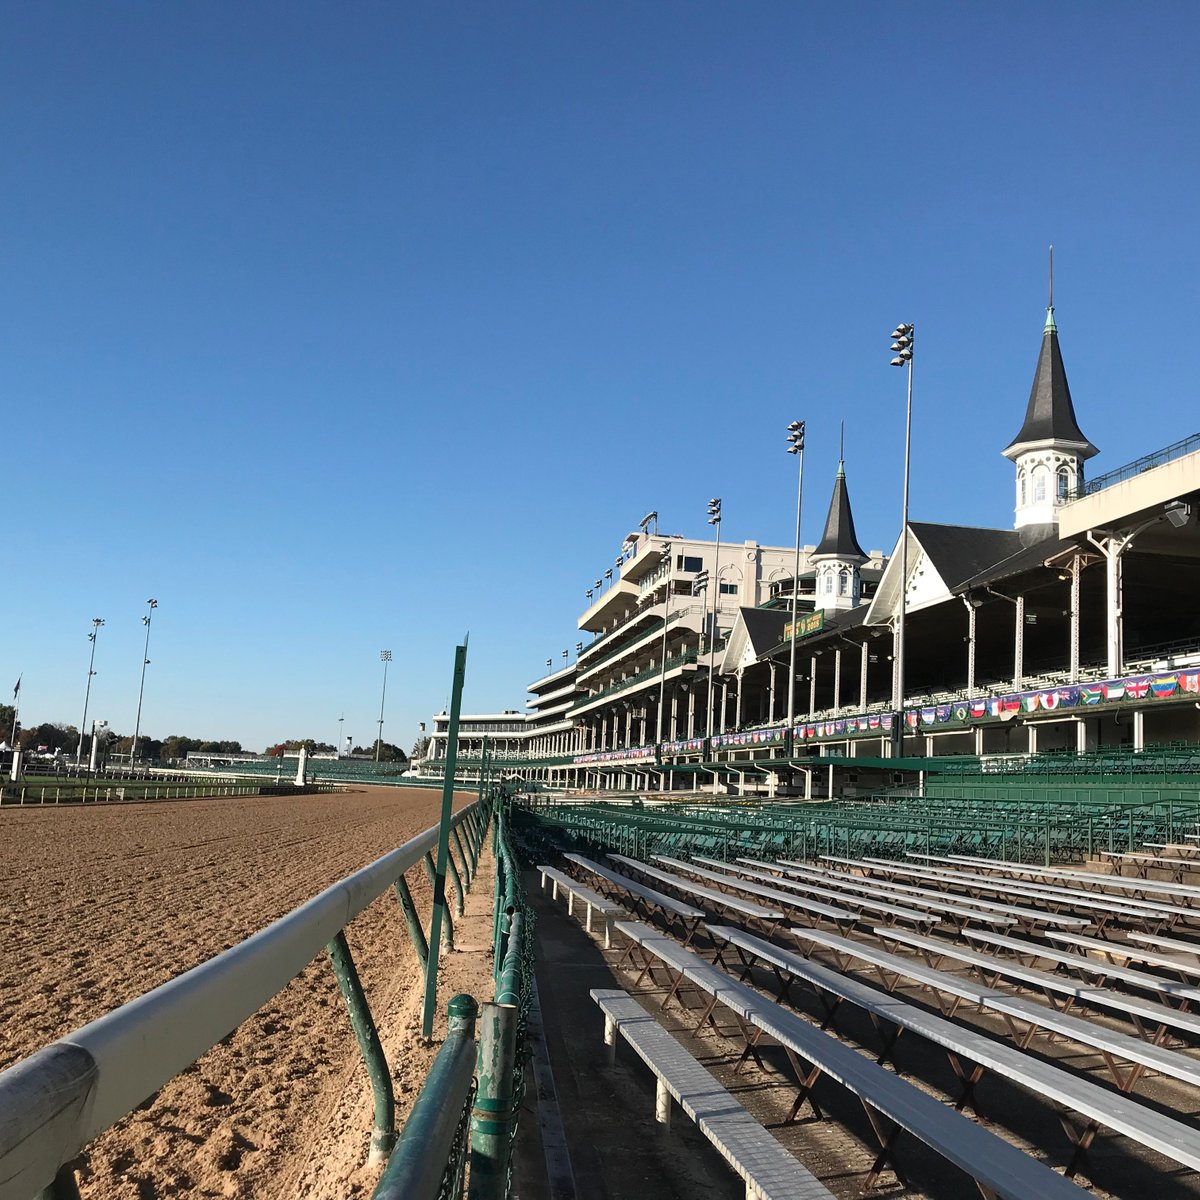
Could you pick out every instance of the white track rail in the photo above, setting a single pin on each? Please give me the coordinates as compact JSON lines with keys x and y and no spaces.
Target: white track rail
{"x":57,"y":1100}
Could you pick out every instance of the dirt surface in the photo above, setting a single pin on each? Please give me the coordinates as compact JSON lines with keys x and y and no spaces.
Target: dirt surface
{"x":98,"y":905}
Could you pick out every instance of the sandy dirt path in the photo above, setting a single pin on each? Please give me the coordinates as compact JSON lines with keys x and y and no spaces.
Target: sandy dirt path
{"x":100,"y":904}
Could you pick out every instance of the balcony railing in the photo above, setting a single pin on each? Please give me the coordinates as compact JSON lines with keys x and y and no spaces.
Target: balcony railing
{"x":649,"y":673}
{"x":1135,"y":468}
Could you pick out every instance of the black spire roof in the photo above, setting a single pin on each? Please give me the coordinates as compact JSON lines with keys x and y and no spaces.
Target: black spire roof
{"x":1050,"y":415}
{"x":839,"y":539}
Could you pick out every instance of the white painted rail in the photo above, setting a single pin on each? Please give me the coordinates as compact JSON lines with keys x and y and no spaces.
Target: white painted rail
{"x":57,"y":1100}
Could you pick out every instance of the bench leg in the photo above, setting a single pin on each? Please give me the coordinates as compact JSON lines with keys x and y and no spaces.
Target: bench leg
{"x":1082,"y":1140}
{"x":806,"y":1081}
{"x":570,"y":904}
{"x":554,"y":889}
{"x":662,"y":1105}
{"x":610,"y":1038}
{"x":968,"y":1082}
{"x":608,"y":926}
{"x":587,"y":921}
{"x":886,"y":1142}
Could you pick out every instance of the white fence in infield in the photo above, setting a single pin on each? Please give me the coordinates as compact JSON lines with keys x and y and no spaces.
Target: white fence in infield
{"x":55,"y":1102}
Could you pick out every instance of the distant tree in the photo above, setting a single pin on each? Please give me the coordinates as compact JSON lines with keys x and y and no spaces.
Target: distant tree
{"x":420,"y":747}
{"x":53,"y":737}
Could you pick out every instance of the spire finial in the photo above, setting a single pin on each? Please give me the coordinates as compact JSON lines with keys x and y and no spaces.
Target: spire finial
{"x":1050,"y":326}
{"x":842,"y":451}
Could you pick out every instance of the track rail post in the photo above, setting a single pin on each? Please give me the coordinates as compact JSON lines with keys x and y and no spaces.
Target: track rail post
{"x":493,"y":1116}
{"x":464,"y":857}
{"x":412,"y":921}
{"x":448,"y":924}
{"x":383,"y":1137}
{"x":460,"y":898}
{"x":440,"y":910}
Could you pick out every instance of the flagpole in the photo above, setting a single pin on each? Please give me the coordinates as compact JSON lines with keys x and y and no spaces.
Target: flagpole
{"x":16,"y":712}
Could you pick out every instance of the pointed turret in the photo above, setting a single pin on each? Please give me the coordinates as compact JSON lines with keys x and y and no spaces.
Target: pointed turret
{"x":1050,"y":449}
{"x":838,"y":557}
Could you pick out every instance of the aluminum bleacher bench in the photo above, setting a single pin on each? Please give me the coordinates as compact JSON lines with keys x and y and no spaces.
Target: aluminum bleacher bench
{"x":769,"y":1171}
{"x":688,"y":916}
{"x":744,"y":908}
{"x":1166,"y":943}
{"x":1131,"y":952}
{"x":577,"y":891}
{"x":950,"y":909}
{"x":1144,"y":863}
{"x":887,"y":910}
{"x":838,"y":916}
{"x":890,"y":969}
{"x":1188,"y":893}
{"x":1151,"y":1019}
{"x":1105,"y":908}
{"x":892,"y":1104}
{"x":1029,"y":919}
{"x":1079,"y":1095}
{"x":1031,"y":951}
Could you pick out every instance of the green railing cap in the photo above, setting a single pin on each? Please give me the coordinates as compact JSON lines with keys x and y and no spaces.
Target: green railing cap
{"x":462,"y":1005}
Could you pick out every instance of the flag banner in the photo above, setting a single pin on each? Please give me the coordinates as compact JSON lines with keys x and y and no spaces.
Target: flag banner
{"x":1029,"y":702}
{"x":978,"y":709}
{"x":1113,"y":690}
{"x":1137,"y":688}
{"x":874,"y":721}
{"x":1190,"y":681}
{"x":886,"y":721}
{"x":961,"y":712}
{"x":911,"y":719}
{"x":927,"y":716}
{"x":1091,"y":695}
{"x":943,"y":713}
{"x":1164,"y":685}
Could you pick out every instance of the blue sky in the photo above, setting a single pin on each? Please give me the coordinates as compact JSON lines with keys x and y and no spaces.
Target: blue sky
{"x":342,"y":327}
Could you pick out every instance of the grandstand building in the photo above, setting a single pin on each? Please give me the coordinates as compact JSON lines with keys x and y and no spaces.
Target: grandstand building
{"x":1074,"y":630}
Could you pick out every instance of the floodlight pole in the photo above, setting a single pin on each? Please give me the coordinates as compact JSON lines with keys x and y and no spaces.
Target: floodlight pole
{"x":385,"y":656}
{"x":96,"y":623}
{"x":796,"y":446}
{"x":137,"y":725}
{"x":714,"y":508}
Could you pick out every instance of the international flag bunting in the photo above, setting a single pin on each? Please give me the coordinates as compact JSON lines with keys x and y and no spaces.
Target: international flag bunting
{"x":1048,"y":699}
{"x":943,"y":713}
{"x":1164,"y":685}
{"x":873,"y":722}
{"x":1068,"y":697}
{"x":910,"y":719}
{"x":1190,"y":681}
{"x":1137,"y":688}
{"x":961,"y":712}
{"x":886,"y":721}
{"x":1029,"y":702}
{"x":1091,"y":695}
{"x":927,"y":716}
{"x":978,"y":708}
{"x":1115,"y":690}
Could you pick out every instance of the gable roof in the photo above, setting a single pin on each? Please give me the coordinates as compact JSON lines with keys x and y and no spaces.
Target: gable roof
{"x":839,"y":538}
{"x":1050,"y":415}
{"x":960,"y":552}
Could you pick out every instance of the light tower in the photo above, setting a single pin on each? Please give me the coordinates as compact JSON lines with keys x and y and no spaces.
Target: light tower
{"x":385,"y":657}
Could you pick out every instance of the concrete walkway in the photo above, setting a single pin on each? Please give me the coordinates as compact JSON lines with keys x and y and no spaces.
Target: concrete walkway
{"x":615,"y":1148}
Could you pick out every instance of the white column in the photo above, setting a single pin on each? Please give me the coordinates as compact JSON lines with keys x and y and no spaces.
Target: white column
{"x":1139,"y":729}
{"x":837,"y":679}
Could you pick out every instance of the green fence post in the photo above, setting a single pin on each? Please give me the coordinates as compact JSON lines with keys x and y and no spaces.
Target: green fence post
{"x":383,"y":1137}
{"x":460,"y":899}
{"x":412,"y":921}
{"x":448,"y":925}
{"x":463,"y":856}
{"x":493,"y":1116}
{"x":439,"y":882}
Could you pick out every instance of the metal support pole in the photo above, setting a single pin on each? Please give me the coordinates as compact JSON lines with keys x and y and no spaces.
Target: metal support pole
{"x":460,"y":898}
{"x":412,"y":921}
{"x":439,"y":880}
{"x":463,"y":856}
{"x":448,"y":927}
{"x":493,"y":1117}
{"x":383,"y":1137}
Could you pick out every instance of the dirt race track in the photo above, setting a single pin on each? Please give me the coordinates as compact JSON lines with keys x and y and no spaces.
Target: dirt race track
{"x":99,"y":904}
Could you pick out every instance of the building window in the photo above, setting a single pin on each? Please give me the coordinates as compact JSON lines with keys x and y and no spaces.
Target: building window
{"x":685,"y":562}
{"x":1063,"y":483}
{"x":828,"y":584}
{"x":729,"y":589}
{"x":1039,"y":484}
{"x":1022,"y":486}
{"x":843,"y":582}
